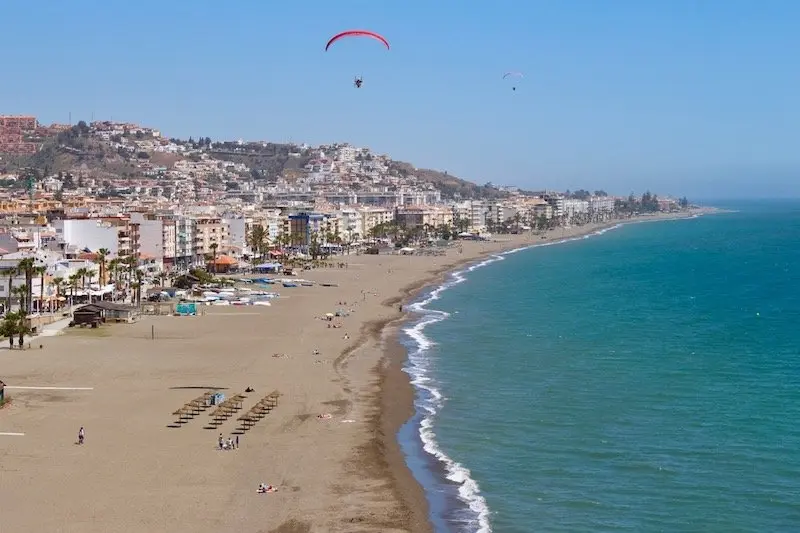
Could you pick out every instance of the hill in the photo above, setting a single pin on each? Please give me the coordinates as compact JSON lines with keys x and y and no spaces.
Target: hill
{"x":78,"y":151}
{"x":74,"y":152}
{"x":267,"y":160}
{"x":450,"y":186}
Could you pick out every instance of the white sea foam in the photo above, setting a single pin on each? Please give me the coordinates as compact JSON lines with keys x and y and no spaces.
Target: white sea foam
{"x":418,"y":368}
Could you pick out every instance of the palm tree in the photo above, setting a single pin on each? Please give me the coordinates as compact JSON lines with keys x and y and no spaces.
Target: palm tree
{"x":11,"y":273}
{"x":112,"y":270}
{"x":81,"y":273}
{"x":257,"y":240}
{"x":26,"y":266}
{"x":102,"y":254}
{"x":23,"y":328}
{"x":41,"y":271}
{"x":21,"y":293}
{"x":214,"y":247}
{"x":138,"y":286}
{"x":57,"y":283}
{"x":132,"y":265}
{"x":9,"y":327}
{"x":73,"y":287}
{"x":162,"y":277}
{"x":89,"y":275}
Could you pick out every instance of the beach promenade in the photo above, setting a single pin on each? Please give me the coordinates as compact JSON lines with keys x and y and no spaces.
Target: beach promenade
{"x":327,"y":444}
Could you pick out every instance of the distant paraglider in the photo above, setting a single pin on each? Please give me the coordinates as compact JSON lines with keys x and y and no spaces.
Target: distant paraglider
{"x":513,"y":75}
{"x":358,"y":81}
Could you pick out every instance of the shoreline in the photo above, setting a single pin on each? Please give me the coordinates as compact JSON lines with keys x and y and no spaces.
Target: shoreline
{"x":397,"y":393}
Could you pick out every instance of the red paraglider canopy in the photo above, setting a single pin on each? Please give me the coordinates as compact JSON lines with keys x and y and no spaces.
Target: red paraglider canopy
{"x":357,"y":33}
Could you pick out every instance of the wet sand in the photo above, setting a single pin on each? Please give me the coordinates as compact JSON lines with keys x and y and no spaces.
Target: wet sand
{"x":138,"y":472}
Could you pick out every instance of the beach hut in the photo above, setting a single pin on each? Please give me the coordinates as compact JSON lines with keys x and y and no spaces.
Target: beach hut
{"x":117,"y":312}
{"x":95,"y":313}
{"x":222,"y":264}
{"x":186,"y":281}
{"x":86,"y":315}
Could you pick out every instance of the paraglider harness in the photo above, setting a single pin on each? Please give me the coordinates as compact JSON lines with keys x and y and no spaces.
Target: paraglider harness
{"x":357,"y":82}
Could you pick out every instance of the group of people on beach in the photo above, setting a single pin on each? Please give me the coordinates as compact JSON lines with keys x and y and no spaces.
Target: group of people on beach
{"x":228,"y":444}
{"x":263,"y":488}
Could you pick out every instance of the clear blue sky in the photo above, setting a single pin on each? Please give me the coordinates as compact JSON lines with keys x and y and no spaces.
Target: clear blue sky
{"x":675,"y":96}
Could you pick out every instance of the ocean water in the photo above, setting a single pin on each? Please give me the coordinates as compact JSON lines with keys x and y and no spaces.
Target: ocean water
{"x":645,"y":380}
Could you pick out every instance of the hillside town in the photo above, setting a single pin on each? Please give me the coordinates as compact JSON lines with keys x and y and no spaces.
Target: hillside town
{"x":119,"y":205}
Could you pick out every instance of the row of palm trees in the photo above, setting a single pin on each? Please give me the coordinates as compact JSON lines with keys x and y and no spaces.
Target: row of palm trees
{"x":123,"y":272}
{"x":259,"y":242}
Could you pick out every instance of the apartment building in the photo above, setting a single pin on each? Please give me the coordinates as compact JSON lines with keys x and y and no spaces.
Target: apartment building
{"x":422,"y":216}
{"x":118,"y":235}
{"x":210,"y":230}
{"x":185,"y":257}
{"x":372,"y":216}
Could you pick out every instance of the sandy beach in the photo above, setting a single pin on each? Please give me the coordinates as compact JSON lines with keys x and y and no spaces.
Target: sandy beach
{"x":140,"y":471}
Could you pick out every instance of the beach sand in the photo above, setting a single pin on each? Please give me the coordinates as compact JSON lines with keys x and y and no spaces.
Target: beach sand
{"x":137,"y":473}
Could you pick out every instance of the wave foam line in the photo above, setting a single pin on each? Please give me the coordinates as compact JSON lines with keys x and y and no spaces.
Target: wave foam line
{"x":432,"y":400}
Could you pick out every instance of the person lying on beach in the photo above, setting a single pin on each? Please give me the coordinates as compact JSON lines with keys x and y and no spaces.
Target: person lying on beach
{"x":324,"y":416}
{"x":264,"y":488}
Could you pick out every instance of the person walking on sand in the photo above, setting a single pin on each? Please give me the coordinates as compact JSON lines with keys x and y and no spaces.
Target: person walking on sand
{"x":81,"y":435}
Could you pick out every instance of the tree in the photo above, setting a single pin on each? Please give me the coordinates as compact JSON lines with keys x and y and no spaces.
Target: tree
{"x":90,"y":274}
{"x":102,"y":254}
{"x":138,"y":286}
{"x":314,"y":246}
{"x":57,"y":282}
{"x":214,"y":246}
{"x":257,"y":240}
{"x":15,"y":325}
{"x":11,"y":273}
{"x":21,"y":292}
{"x":26,"y":266}
{"x":73,"y":287}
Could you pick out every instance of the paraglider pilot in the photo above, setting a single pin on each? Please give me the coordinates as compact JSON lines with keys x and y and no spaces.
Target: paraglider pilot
{"x":357,"y":82}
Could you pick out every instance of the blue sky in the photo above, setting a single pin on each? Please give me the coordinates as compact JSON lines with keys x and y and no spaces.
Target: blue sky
{"x":676,"y":96}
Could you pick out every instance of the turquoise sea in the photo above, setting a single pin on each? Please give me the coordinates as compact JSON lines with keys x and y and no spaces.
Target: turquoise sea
{"x":646,"y":379}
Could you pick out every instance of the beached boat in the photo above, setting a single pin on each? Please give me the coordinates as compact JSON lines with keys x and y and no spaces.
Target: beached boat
{"x":289,"y":284}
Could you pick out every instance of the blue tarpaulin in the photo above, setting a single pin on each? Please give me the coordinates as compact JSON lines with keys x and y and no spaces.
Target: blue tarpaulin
{"x":186,"y":309}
